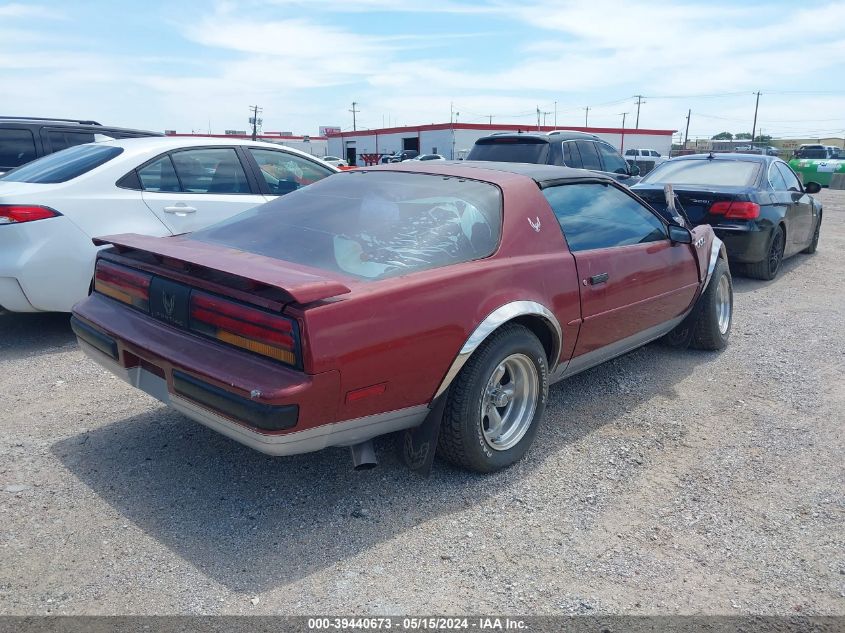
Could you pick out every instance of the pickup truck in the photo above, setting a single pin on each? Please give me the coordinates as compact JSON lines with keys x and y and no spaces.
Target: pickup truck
{"x":645,"y":159}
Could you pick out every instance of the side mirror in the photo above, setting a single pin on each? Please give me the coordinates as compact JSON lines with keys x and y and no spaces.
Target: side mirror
{"x":634,"y":170}
{"x":679,"y":235}
{"x":812,"y":187}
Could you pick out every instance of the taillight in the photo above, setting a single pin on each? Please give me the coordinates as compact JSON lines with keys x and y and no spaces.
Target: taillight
{"x":248,"y":328}
{"x":17,"y":213}
{"x":733,"y":210}
{"x":127,"y":285}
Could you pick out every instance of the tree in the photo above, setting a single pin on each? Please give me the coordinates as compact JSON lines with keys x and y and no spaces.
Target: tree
{"x":743,"y":135}
{"x":723,"y":136}
{"x":762,"y":138}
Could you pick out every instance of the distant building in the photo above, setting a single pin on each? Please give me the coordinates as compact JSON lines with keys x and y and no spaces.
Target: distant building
{"x":455,"y":140}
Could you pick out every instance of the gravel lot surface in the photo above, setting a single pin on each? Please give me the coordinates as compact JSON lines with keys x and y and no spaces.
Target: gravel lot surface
{"x":662,"y":482}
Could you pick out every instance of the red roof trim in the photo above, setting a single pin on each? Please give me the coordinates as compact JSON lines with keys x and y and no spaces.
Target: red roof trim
{"x":412,"y":129}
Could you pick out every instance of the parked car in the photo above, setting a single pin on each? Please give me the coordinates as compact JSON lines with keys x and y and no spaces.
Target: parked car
{"x":335,"y":161}
{"x":399,"y":297}
{"x":429,"y":157}
{"x":755,"y":204}
{"x":52,"y":207}
{"x":644,"y":159}
{"x":818,"y":163}
{"x":565,"y":148}
{"x":23,"y":139}
{"x":405,"y":154}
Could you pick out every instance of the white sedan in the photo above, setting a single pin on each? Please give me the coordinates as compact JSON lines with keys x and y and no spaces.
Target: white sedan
{"x":52,"y":207}
{"x":335,"y":161}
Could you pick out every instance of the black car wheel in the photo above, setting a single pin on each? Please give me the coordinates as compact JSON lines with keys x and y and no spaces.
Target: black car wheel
{"x":815,"y":243}
{"x":769,"y":267}
{"x":496,"y":402}
{"x":715,"y":310}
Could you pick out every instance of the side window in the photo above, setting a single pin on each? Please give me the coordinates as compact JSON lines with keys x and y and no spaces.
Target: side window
{"x":284,"y":172}
{"x":17,"y":146}
{"x":159,"y":176}
{"x":61,"y":139}
{"x":216,"y":170}
{"x":594,"y":215}
{"x":655,"y":153}
{"x":631,"y":152}
{"x":789,"y":177}
{"x":589,"y":155}
{"x":571,"y":155}
{"x":613,"y":162}
{"x":776,"y":178}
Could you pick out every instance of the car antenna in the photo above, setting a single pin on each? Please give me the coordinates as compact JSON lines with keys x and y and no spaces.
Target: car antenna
{"x":710,"y":155}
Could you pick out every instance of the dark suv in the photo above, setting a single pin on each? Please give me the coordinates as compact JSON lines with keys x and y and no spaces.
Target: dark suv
{"x":570,"y":149}
{"x":23,"y":139}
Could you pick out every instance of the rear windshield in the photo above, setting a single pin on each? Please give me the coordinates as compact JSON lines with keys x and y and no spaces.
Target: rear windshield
{"x":726,"y":173}
{"x":65,"y":165}
{"x":371,"y":225}
{"x":510,"y":151}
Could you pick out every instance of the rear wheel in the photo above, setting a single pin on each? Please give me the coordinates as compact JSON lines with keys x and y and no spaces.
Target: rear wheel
{"x":815,"y":243}
{"x":496,"y":402}
{"x":769,"y":267}
{"x":715,"y":311}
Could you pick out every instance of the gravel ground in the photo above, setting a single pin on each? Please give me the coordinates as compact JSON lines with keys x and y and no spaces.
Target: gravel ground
{"x":664,"y":482}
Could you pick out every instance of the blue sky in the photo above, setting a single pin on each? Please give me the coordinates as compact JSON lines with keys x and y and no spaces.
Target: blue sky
{"x":185,"y":65}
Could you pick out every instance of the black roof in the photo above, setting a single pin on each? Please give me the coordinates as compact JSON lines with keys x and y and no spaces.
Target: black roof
{"x":549,"y":137}
{"x":37,"y":119}
{"x":541,"y":174}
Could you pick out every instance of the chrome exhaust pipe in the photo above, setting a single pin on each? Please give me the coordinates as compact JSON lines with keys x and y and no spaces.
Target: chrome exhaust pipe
{"x":364,"y":455}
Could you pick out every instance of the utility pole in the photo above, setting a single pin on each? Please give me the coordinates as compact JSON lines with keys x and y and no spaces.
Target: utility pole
{"x":639,"y":102}
{"x":490,"y":116}
{"x":754,"y":125}
{"x":255,"y":120}
{"x":544,"y":117}
{"x":586,"y":116}
{"x":622,"y":146}
{"x":555,"y":114}
{"x":538,"y":118}
{"x":354,"y":111}
{"x":686,"y":133}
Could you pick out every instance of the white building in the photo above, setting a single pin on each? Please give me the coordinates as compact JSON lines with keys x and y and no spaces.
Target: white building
{"x":314,"y":145}
{"x":455,"y":140}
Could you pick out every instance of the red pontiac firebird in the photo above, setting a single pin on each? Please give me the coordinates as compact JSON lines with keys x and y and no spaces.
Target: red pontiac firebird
{"x":439,"y":298}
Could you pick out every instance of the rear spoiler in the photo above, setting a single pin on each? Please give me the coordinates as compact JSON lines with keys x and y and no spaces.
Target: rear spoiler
{"x":299,"y":283}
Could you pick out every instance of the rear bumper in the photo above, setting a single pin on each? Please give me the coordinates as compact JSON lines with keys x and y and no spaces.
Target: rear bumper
{"x":745,"y":243}
{"x":266,"y":406}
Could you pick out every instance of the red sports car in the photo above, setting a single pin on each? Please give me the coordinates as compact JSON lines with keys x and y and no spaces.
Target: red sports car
{"x":439,"y":298}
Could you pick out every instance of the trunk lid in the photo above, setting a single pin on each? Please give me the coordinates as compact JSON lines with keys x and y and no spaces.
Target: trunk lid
{"x":695,"y":201}
{"x":267,"y":280}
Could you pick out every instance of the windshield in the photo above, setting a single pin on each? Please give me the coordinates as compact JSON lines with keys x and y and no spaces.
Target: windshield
{"x":812,"y":152}
{"x":64,"y":165}
{"x":510,"y":150}
{"x":725,"y":173}
{"x":371,"y":224}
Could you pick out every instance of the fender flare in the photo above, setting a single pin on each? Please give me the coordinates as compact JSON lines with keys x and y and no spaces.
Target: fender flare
{"x":717,"y":250}
{"x":493,"y":321}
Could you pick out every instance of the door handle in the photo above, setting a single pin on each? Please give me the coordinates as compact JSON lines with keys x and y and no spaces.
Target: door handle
{"x":598,"y":279}
{"x":180,"y":209}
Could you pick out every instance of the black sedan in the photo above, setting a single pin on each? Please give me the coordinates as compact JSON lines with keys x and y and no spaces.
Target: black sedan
{"x":755,"y":204}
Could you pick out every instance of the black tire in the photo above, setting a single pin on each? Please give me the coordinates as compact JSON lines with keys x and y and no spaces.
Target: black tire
{"x":462,"y":438}
{"x":710,"y":331}
{"x":815,"y":243}
{"x":769,"y":267}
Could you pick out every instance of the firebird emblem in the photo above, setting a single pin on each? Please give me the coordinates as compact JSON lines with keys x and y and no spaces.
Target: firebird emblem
{"x":699,"y":242}
{"x":169,"y":302}
{"x":535,"y":224}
